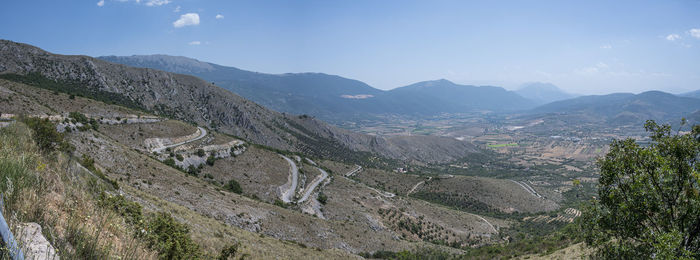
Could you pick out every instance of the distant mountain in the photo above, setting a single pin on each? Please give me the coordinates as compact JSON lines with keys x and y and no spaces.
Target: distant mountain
{"x":692,"y":94}
{"x":334,"y":98}
{"x":623,"y":108}
{"x":444,"y":96}
{"x":542,"y":93}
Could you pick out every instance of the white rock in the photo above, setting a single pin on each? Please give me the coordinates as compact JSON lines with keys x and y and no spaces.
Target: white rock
{"x":34,"y":244}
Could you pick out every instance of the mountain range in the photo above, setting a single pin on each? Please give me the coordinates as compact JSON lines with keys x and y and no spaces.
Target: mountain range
{"x":622,"y":108}
{"x":194,"y":100}
{"x":332,"y":97}
{"x":337,"y":99}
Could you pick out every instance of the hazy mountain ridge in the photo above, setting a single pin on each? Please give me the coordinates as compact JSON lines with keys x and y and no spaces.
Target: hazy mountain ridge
{"x":626,"y":107}
{"x":330,"y":97}
{"x":543,"y":93}
{"x":444,"y":96}
{"x":691,"y":94}
{"x":194,"y":100}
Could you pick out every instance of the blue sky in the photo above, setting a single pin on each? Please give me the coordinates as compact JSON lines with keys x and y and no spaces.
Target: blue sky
{"x":586,"y":47}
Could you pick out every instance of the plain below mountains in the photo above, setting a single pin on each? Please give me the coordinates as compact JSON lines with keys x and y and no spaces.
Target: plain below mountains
{"x":335,"y":98}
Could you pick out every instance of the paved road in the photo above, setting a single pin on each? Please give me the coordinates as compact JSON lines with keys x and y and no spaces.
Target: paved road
{"x":417,"y":184}
{"x":383,"y":193}
{"x":292,"y":180}
{"x":351,"y":173}
{"x":202,"y":134}
{"x":487,"y":222}
{"x":313,"y":185}
{"x":528,"y":188}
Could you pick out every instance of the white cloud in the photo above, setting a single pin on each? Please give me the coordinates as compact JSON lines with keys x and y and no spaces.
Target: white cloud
{"x":606,"y":46}
{"x":195,"y":43}
{"x":695,"y":32}
{"x":187,"y":19}
{"x":101,"y":3}
{"x":673,"y":37}
{"x":177,"y":9}
{"x":219,"y":16}
{"x":156,"y":2}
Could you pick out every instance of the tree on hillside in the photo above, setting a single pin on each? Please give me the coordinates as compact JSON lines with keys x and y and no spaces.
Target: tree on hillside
{"x":648,"y":202}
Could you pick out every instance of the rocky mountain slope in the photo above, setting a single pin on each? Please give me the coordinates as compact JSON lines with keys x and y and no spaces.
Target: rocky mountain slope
{"x":197,"y":101}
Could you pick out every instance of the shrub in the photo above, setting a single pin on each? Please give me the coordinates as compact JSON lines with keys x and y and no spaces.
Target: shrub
{"x":191,"y":170}
{"x":322,"y":198}
{"x":228,"y":252}
{"x":131,"y":211}
{"x":200,"y":153}
{"x":79,"y":117}
{"x":280,"y":203}
{"x":170,"y":238}
{"x":45,"y":134}
{"x":170,"y":162}
{"x":210,"y":160}
{"x":179,"y":157}
{"x":233,"y":186}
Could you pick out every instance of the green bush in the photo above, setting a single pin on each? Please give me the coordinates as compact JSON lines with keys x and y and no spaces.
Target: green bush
{"x":45,"y":135}
{"x":322,"y":198}
{"x":228,"y":252}
{"x":280,"y":203}
{"x":179,"y":157}
{"x":131,"y":211}
{"x":170,"y":238}
{"x":233,"y":186}
{"x":191,"y":170}
{"x":170,"y":162}
{"x":79,"y":117}
{"x":211,"y":160}
{"x":200,"y":153}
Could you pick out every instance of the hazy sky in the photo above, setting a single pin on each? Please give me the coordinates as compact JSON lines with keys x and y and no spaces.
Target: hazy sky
{"x":584,"y":47}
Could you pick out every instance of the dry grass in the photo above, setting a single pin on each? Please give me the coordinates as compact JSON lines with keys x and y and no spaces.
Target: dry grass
{"x":52,"y":191}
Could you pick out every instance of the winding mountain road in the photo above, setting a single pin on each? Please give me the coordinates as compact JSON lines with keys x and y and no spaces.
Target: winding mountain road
{"x":313,"y":185}
{"x":487,"y":222}
{"x":287,"y":190}
{"x":351,"y":173}
{"x":528,"y":188}
{"x":416,"y":186}
{"x":202,"y":134}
